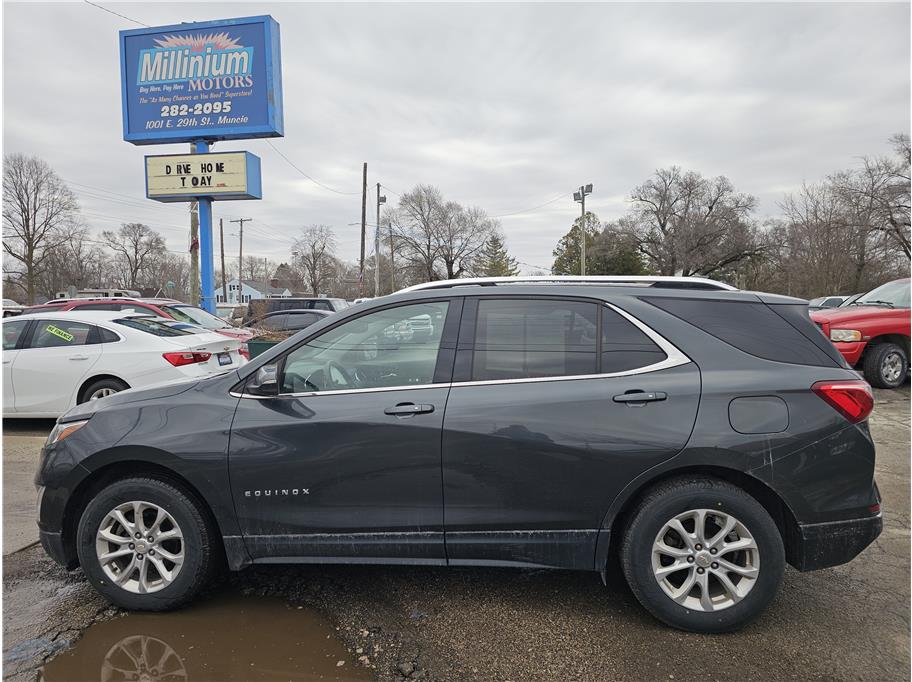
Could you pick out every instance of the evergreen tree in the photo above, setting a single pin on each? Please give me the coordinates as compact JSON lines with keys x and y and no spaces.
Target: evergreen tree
{"x":567,"y":253}
{"x":494,"y":261}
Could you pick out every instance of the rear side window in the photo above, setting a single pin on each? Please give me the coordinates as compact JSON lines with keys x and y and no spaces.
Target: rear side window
{"x":521,"y":339}
{"x":624,"y":346}
{"x":151,"y":326}
{"x":43,"y":309}
{"x":106,"y":336}
{"x":750,"y":327}
{"x":97,"y":306}
{"x":321,"y":305}
{"x":300,"y":320}
{"x":56,"y":333}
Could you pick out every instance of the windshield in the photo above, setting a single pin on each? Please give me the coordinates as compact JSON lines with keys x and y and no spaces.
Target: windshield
{"x":895,"y":294}
{"x":187,"y":313}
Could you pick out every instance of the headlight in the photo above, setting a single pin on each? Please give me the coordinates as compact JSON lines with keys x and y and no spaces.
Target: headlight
{"x":845,"y":335}
{"x":66,"y":430}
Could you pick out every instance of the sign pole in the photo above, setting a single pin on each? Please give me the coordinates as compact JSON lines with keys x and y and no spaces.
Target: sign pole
{"x":207,"y":273}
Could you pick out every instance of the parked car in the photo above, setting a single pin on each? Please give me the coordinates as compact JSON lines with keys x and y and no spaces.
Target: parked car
{"x":707,"y":436}
{"x":162,"y":307}
{"x":823,"y":302}
{"x":11,"y":308}
{"x":260,"y":307}
{"x":873,"y":333}
{"x":287,"y":320}
{"x":54,"y":361}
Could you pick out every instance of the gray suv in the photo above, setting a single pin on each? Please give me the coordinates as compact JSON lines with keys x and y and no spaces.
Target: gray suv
{"x":705,"y":436}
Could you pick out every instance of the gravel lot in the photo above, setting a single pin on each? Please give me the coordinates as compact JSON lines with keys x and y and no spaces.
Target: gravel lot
{"x":847,"y":623}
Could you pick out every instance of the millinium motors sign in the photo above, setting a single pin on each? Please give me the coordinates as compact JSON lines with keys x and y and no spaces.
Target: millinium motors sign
{"x":213,"y":80}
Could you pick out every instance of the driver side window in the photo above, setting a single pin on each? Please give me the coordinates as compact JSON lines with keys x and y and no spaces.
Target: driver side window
{"x":391,"y":347}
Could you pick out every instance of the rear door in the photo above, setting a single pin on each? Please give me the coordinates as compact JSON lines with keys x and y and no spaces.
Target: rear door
{"x":555,"y":406}
{"x":51,"y":367}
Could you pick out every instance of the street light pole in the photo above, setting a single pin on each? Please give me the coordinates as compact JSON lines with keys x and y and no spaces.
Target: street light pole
{"x":580,"y":197}
{"x":380,"y":200}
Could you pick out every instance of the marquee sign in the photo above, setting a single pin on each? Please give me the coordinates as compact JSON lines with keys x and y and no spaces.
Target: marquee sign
{"x":213,"y":80}
{"x":218,"y":175}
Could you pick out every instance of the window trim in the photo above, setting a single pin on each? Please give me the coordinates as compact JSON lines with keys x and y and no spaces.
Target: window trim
{"x":673,"y":356}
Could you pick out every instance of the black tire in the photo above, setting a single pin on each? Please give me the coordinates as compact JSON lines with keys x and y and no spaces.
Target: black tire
{"x":875,"y":364}
{"x":199,"y":543}
{"x":659,"y":506}
{"x":115,"y":385}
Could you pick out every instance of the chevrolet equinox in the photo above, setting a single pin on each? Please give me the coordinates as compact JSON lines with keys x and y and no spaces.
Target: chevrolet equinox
{"x":704,"y":435}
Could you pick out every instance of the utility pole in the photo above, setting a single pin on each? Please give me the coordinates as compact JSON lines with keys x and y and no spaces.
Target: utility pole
{"x":380,"y":200}
{"x":392,"y":261}
{"x":222,"y":245}
{"x":580,"y":197}
{"x":363,"y":229}
{"x":194,"y":254}
{"x":241,"y":250}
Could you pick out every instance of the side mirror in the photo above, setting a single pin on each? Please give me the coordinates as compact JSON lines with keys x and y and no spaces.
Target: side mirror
{"x":265,"y":382}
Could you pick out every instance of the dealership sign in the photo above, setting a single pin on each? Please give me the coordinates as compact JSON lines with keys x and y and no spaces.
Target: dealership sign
{"x":214,"y":80}
{"x":218,"y":175}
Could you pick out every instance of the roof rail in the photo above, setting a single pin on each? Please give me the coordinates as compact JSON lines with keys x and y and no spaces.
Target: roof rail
{"x":629,"y":280}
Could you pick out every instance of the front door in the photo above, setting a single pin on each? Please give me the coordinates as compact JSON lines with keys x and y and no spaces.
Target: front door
{"x":12,"y":336}
{"x":344,"y":464}
{"x":556,"y":405}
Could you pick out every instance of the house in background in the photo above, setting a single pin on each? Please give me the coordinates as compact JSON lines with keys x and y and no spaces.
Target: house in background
{"x":244,"y":291}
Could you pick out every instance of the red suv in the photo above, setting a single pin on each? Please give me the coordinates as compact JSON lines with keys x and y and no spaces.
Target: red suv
{"x":162,"y":307}
{"x":872,"y":333}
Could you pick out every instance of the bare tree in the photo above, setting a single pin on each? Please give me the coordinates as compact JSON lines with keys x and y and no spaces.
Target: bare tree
{"x":38,"y":211}
{"x":78,"y":261}
{"x":315,"y":254}
{"x":134,"y":245}
{"x":461,"y":237}
{"x":686,"y":224}
{"x":415,"y":224}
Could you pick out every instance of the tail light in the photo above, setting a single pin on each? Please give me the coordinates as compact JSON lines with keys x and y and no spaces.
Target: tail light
{"x":186,"y":358}
{"x":244,"y":351}
{"x":852,"y":399}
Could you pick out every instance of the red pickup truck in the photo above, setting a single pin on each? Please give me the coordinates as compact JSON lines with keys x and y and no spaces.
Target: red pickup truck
{"x":872,"y":333}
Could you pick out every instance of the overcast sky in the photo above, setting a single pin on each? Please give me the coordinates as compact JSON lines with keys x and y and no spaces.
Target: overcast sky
{"x":501,"y":106}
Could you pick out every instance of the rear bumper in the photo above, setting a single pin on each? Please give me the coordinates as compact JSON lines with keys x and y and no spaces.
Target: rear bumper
{"x":821,"y":545}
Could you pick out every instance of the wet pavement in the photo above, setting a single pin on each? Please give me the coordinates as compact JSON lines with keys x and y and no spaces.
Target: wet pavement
{"x":225,"y":637}
{"x":394,"y":623}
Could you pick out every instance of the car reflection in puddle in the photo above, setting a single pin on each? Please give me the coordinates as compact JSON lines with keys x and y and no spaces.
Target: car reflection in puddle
{"x":225,"y":638}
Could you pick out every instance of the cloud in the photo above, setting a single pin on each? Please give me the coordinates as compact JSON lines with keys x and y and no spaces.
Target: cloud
{"x":500,"y":106}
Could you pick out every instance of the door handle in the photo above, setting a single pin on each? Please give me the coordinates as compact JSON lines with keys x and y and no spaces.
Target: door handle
{"x":79,"y":357}
{"x":639,"y":397}
{"x":405,"y":409}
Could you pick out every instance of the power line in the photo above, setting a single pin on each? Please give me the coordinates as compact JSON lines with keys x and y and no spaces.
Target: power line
{"x":313,"y":180}
{"x":110,"y":11}
{"x":526,"y":210}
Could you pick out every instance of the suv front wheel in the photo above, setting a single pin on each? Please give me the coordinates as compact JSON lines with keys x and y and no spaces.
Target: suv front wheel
{"x":701,"y":554}
{"x":145,"y":544}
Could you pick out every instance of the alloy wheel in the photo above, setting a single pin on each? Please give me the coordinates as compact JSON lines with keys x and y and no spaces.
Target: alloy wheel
{"x":140,"y":547}
{"x":101,"y":393}
{"x":705,"y":560}
{"x":892,"y":367}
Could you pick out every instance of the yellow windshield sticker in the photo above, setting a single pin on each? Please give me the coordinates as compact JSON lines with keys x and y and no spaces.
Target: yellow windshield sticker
{"x":56,"y":331}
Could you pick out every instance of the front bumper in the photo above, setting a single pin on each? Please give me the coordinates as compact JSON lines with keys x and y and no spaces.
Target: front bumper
{"x":851,"y":351}
{"x":821,"y":545}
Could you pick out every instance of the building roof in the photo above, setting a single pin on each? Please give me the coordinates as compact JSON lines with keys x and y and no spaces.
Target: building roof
{"x":260,"y":286}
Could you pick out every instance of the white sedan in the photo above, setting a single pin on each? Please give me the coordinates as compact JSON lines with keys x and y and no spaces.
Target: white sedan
{"x":54,"y":361}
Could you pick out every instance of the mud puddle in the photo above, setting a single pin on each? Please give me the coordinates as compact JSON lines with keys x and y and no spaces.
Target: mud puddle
{"x":225,"y":638}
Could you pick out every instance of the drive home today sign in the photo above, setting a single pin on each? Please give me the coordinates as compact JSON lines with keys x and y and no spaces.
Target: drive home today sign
{"x":213,"y":80}
{"x":218,"y":175}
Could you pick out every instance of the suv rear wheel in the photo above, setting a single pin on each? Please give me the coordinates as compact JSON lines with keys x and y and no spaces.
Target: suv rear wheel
{"x":886,"y":365}
{"x":701,"y":554}
{"x":145,"y":545}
